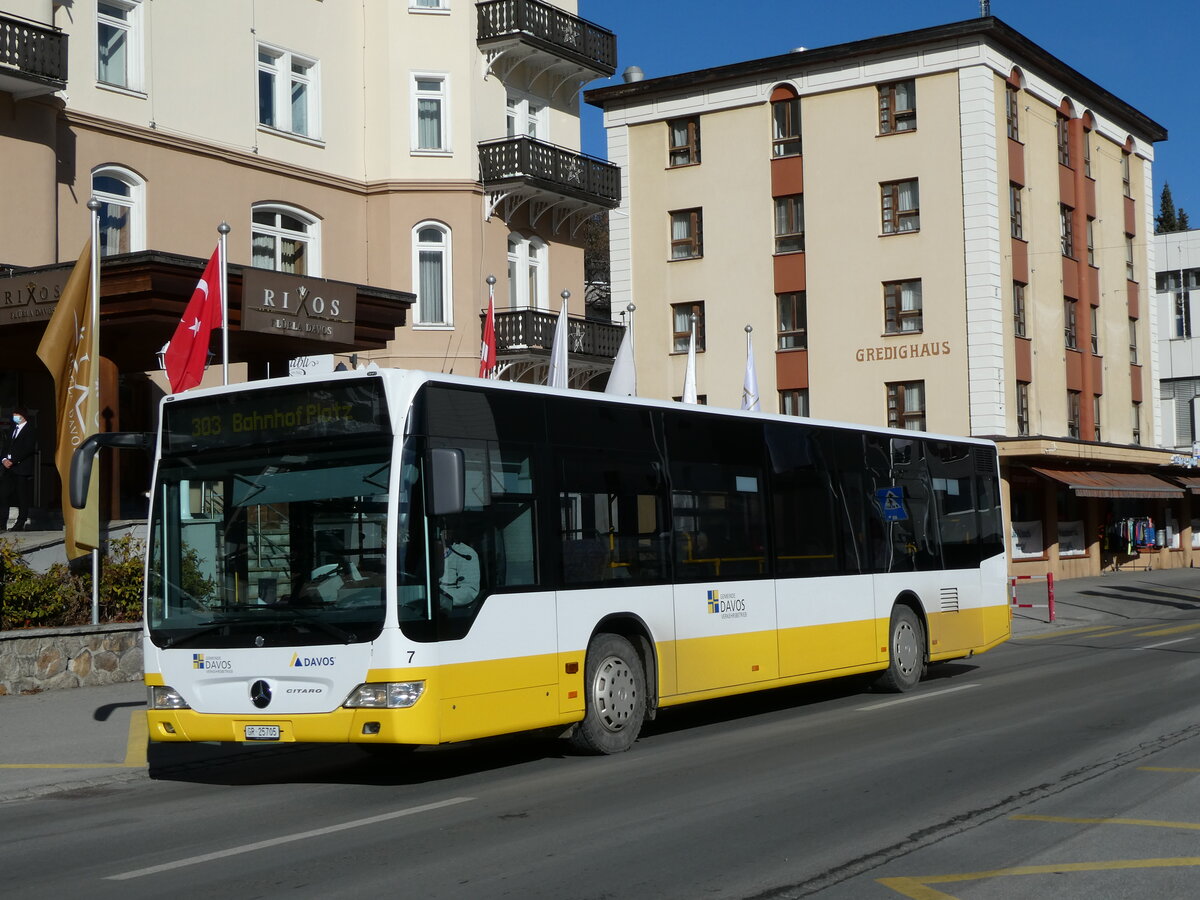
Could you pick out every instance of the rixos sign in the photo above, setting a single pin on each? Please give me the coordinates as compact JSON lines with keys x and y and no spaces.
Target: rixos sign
{"x":26,"y":298}
{"x":298,"y":305}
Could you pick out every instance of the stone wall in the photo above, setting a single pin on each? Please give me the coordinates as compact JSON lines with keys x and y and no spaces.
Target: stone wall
{"x":47,"y":659}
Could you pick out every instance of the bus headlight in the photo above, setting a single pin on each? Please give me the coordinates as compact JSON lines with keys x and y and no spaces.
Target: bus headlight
{"x":385,"y":695}
{"x":164,"y":697}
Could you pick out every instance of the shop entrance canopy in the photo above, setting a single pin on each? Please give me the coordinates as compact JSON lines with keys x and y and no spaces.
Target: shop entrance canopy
{"x":1113,"y":485}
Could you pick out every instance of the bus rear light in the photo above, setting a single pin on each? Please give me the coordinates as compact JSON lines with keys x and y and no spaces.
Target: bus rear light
{"x":165,"y":697}
{"x":385,"y":695}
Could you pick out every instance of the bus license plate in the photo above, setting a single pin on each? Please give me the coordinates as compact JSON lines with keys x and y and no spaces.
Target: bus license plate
{"x":262,"y":732}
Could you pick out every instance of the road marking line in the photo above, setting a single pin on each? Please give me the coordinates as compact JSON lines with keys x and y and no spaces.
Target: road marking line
{"x":1064,"y":633}
{"x":286,"y":839}
{"x":135,"y":751}
{"x":1145,"y":823}
{"x":918,"y":888}
{"x":961,"y":687}
{"x":1177,"y":629}
{"x":1166,"y":769}
{"x":1165,"y":643}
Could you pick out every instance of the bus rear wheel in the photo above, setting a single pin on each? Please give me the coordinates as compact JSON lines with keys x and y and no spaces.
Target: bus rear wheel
{"x":615,"y":686}
{"x":906,"y":649}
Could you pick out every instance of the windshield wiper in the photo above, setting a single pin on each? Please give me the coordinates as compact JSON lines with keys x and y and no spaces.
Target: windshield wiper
{"x":195,"y":633}
{"x":332,"y":630}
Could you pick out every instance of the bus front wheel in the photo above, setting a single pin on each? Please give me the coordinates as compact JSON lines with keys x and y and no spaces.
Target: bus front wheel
{"x":906,"y":648}
{"x":615,"y":686}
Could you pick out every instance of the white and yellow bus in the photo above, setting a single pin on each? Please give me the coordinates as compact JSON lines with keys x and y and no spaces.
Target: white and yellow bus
{"x":398,"y":558}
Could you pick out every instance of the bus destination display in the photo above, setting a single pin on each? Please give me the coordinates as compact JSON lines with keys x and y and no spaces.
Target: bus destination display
{"x":293,"y":413}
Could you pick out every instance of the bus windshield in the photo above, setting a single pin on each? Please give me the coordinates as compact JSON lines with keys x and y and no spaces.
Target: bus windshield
{"x":269,"y":549}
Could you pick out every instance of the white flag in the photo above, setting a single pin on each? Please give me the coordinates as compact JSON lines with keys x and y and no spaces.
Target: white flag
{"x":750,"y":382}
{"x":689,"y":376}
{"x":557,"y":376}
{"x":623,"y":377}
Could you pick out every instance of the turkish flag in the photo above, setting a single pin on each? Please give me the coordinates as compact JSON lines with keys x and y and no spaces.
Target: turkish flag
{"x":187,"y":353}
{"x":487,"y":349}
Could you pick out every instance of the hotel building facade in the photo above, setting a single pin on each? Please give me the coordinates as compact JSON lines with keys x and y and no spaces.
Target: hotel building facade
{"x":947,"y":229}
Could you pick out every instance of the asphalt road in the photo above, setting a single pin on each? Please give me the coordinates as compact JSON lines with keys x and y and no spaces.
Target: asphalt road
{"x":1062,"y":764}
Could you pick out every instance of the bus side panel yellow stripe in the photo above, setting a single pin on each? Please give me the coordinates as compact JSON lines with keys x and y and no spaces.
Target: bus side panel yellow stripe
{"x":821,"y":648}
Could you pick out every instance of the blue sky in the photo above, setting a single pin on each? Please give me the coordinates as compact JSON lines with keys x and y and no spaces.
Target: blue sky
{"x":1144,"y":53}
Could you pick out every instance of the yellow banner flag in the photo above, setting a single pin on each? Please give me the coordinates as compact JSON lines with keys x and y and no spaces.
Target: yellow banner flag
{"x":71,"y":351}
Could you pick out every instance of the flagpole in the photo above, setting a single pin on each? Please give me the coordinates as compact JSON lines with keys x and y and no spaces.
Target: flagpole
{"x":94,"y":205}
{"x":223,"y":230}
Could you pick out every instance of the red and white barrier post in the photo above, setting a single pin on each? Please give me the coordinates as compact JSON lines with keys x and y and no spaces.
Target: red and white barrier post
{"x":1048,"y":605}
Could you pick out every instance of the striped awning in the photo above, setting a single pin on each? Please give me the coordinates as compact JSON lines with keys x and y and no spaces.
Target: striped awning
{"x":1191,"y":483}
{"x":1113,"y":485}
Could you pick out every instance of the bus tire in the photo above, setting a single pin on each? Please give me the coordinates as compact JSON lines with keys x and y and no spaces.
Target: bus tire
{"x":614,"y":684}
{"x":906,"y":651}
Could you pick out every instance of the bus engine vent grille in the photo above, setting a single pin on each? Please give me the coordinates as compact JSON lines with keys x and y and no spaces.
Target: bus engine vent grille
{"x":950,"y":599}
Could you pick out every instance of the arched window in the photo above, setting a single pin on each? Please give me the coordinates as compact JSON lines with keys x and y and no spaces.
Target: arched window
{"x":528,"y":276}
{"x":785,"y":122}
{"x":122,"y":196}
{"x":431,"y":263}
{"x":285,"y":239}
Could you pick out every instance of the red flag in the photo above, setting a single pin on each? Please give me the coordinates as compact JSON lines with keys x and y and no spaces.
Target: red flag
{"x":187,"y":353}
{"x":487,"y":350}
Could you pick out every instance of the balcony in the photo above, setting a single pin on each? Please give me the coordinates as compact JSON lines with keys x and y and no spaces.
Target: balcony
{"x":567,"y":184}
{"x":33,"y":58}
{"x":525,"y":39}
{"x":525,"y":337}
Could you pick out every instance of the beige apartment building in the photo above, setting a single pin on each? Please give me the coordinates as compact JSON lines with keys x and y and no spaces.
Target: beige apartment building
{"x":947,"y":229}
{"x":389,"y":155}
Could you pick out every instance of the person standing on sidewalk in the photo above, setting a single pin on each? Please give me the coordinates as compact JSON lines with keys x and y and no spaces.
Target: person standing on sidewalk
{"x":17,"y":460}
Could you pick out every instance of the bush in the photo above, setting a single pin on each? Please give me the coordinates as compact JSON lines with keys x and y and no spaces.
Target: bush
{"x":30,"y":599}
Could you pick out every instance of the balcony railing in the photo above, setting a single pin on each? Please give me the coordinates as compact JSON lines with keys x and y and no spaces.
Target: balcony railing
{"x":520,"y":330}
{"x":32,"y":49}
{"x":551,"y":29}
{"x":551,"y":168}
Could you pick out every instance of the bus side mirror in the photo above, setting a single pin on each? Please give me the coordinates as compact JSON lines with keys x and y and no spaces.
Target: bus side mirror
{"x":444,"y":481}
{"x":81,"y":461}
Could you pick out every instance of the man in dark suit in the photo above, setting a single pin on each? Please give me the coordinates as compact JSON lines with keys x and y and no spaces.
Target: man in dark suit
{"x":17,"y":458}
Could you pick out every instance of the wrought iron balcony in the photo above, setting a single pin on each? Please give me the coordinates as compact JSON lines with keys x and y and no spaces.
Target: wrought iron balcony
{"x":517,"y":170}
{"x":544,"y":38}
{"x":33,"y":57}
{"x":525,"y":337}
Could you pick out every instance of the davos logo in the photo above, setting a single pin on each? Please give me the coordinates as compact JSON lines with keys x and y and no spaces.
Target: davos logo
{"x":725,"y":604}
{"x":211,"y":663}
{"x":309,"y":662}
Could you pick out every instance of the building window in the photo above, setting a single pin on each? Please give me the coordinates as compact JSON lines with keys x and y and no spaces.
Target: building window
{"x":1022,"y":407}
{"x":1125,"y":178}
{"x":789,"y":224}
{"x":1066,"y":230}
{"x":528,"y":276}
{"x":1091,"y":241}
{"x":1133,"y":342}
{"x":283,"y":239}
{"x":429,"y":5}
{"x":1070,"y":326}
{"x":1073,"y":413}
{"x":902,"y":306}
{"x":687,"y":234}
{"x":897,"y":107}
{"x":683,"y":317}
{"x":1012,"y":100}
{"x":1087,"y":153}
{"x":785,"y":129}
{"x":1096,"y":404}
{"x":122,"y":196}
{"x":793,"y":320}
{"x":901,"y":203}
{"x":1129,"y":273}
{"x":1136,"y":421}
{"x":430,"y":125}
{"x":119,"y":43}
{"x":1095,"y":331}
{"x":683,"y":137}
{"x":526,"y":117}
{"x":794,"y":402}
{"x":288,"y":89}
{"x":431,"y":262}
{"x":906,"y":405}
{"x":1016,"y":227}
{"x":1181,"y":321}
{"x":1064,"y":140}
{"x":1019,"y":309}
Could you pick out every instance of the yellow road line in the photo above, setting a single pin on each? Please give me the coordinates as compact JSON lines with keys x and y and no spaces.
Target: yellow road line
{"x":1165,"y":769}
{"x":1108,"y":631}
{"x":1178,"y":629}
{"x":1146,"y":823}
{"x":1064,"y":633}
{"x":919,"y":889}
{"x":135,"y":751}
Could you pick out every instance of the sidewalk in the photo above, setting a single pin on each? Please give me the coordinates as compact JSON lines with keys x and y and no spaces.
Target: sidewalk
{"x":87,"y":737}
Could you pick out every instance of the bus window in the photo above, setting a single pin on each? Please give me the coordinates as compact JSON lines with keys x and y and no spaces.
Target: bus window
{"x":807,"y":522}
{"x":717,"y":488}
